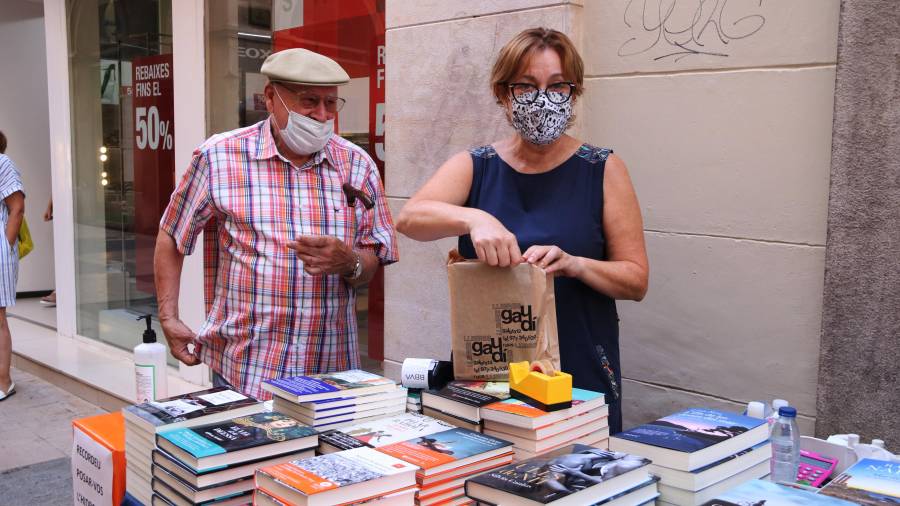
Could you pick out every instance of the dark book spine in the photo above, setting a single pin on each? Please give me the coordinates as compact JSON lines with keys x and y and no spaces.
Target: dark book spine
{"x":340,"y":440}
{"x":466,"y":396}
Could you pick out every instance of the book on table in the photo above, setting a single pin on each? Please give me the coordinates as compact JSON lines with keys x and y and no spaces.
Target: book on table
{"x":346,"y":477}
{"x":597,"y":439}
{"x":221,"y":474}
{"x":164,"y":495}
{"x":692,"y":438}
{"x":343,"y":405}
{"x":867,"y":482}
{"x":516,"y":413}
{"x":329,"y":419}
{"x":598,"y":417}
{"x":757,"y":492}
{"x":675,"y":495}
{"x":451,"y":419}
{"x":335,"y":385}
{"x":598,"y":429}
{"x":383,"y":431}
{"x":403,"y":498}
{"x":464,"y":399}
{"x":447,"y":450}
{"x":574,"y":475}
{"x":195,"y":494}
{"x":236,"y":440}
{"x":710,"y":474}
{"x":195,"y":408}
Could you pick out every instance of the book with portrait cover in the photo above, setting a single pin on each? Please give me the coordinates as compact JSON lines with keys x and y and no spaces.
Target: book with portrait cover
{"x":237,"y":440}
{"x":354,"y":382}
{"x":338,"y":478}
{"x":868,"y":482}
{"x":446,"y":450}
{"x":692,"y":438}
{"x":762,"y":492}
{"x":205,"y":406}
{"x":577,"y":474}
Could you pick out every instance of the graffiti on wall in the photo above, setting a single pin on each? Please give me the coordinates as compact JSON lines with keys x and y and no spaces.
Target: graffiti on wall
{"x":677,"y":29}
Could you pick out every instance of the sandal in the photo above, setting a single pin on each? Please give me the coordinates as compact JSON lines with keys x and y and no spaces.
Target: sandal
{"x":49,"y":300}
{"x":8,"y":394}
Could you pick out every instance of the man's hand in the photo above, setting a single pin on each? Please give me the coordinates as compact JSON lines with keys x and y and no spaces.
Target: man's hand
{"x":179,"y":336}
{"x":324,"y":254}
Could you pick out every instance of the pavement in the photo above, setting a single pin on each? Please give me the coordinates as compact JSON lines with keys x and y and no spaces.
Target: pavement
{"x":36,"y":442}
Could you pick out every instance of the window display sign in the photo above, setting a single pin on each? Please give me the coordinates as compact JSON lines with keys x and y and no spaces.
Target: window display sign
{"x":154,"y":155}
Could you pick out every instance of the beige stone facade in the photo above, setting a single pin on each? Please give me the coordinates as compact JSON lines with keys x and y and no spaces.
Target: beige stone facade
{"x":724,"y":118}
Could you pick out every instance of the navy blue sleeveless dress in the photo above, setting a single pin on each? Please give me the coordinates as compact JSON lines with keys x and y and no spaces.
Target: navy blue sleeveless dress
{"x":561,"y":207}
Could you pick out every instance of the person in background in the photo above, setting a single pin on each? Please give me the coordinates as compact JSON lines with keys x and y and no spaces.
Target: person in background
{"x":294,"y":235}
{"x":50,"y":299}
{"x":12,"y":209}
{"x":543,"y":197}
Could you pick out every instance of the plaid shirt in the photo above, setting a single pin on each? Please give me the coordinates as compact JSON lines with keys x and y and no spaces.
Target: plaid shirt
{"x":266,"y":317}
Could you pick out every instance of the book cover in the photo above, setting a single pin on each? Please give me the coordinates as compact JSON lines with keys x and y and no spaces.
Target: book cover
{"x":761,"y":492}
{"x":868,"y":482}
{"x":517,"y":407}
{"x":237,"y":434}
{"x":475,"y":393}
{"x":563,"y":472}
{"x":335,"y":470}
{"x":444,"y":447}
{"x":344,"y":381}
{"x":188,"y":406}
{"x":395,"y":429}
{"x":691,"y":430}
{"x":324,"y":405}
{"x":340,"y":440}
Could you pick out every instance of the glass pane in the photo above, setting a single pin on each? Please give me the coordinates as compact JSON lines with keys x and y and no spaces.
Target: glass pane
{"x":123,"y":159}
{"x":242,"y":33}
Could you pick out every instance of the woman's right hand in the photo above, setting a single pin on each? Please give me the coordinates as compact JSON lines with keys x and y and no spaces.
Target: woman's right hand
{"x":494,"y":244}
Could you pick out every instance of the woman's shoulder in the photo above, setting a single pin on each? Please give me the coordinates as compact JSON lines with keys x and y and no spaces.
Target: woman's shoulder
{"x":593,"y":154}
{"x":485,"y":152}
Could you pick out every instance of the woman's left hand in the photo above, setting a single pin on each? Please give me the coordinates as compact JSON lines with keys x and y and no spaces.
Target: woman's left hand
{"x":553,"y":260}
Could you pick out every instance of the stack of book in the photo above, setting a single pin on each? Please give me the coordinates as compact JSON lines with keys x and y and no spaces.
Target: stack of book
{"x":760,"y":492}
{"x":699,"y":453}
{"x":446,"y":459}
{"x":215,"y":462}
{"x":144,"y":421}
{"x":327,"y":401}
{"x":461,"y":402}
{"x":868,"y":482}
{"x":414,"y":400}
{"x":381,"y":432}
{"x":534,"y":432}
{"x":572,"y":476}
{"x":347,"y":477}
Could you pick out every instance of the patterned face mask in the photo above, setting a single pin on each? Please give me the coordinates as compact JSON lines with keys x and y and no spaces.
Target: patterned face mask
{"x":542,"y":121}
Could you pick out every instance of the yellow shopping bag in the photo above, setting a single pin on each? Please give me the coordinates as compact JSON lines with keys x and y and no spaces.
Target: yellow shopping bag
{"x":25,"y":242}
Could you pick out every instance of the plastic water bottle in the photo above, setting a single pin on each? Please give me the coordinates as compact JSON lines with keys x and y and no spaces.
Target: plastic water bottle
{"x":785,"y":446}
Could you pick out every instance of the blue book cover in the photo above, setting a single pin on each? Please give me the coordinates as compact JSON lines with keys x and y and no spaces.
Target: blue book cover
{"x":236,"y":434}
{"x":867,"y":482}
{"x":760,"y":492}
{"x":692,"y":430}
{"x":344,"y":381}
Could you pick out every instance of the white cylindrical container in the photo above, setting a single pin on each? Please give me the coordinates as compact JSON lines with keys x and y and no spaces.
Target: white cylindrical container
{"x":150,"y":379}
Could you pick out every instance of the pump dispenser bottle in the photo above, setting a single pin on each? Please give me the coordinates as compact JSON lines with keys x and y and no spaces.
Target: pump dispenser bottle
{"x":150,"y":367}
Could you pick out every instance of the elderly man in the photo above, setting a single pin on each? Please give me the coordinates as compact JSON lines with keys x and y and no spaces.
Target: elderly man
{"x":300,"y":223}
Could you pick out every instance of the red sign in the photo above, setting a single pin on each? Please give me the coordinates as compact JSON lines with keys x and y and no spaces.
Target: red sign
{"x":154,"y":156}
{"x":376,"y":105}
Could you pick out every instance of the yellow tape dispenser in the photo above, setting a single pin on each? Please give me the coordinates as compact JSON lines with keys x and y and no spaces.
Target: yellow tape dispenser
{"x":536,"y":383}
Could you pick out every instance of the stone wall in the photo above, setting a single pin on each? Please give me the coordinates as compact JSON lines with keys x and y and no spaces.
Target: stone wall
{"x":728,"y":142}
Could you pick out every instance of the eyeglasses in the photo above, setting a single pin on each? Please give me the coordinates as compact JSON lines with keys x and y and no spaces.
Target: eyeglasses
{"x":527,"y":93}
{"x":308,"y":100}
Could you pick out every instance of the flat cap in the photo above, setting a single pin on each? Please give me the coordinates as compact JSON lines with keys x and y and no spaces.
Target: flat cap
{"x":303,"y":66}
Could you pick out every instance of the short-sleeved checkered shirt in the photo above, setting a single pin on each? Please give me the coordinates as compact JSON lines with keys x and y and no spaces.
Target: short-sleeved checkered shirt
{"x":266,"y":317}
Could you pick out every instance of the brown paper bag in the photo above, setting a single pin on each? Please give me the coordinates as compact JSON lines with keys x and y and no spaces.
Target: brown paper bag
{"x":500,"y":315}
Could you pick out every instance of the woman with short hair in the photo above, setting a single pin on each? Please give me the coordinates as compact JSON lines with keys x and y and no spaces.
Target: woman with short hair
{"x":546,"y":198}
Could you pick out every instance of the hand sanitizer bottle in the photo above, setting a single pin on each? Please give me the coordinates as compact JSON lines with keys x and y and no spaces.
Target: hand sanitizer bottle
{"x":150,"y":367}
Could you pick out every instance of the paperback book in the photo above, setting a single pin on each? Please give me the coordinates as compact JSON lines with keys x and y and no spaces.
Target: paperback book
{"x":867,"y":482}
{"x":692,"y":438}
{"x":342,"y":384}
{"x":199,"y":407}
{"x":384,"y":431}
{"x":705,"y":476}
{"x":761,"y":492}
{"x":447,"y":450}
{"x":465,"y":399}
{"x":220,"y":474}
{"x":236,"y":440}
{"x":574,"y":475}
{"x":520,"y":414}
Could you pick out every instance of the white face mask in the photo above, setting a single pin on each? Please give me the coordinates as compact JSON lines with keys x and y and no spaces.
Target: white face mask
{"x":304,"y":135}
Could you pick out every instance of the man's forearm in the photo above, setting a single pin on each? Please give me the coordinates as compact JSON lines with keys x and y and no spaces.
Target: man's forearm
{"x":167,"y":265}
{"x":370,"y":267}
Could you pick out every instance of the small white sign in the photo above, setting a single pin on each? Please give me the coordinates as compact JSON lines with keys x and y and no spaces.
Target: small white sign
{"x":414,"y":372}
{"x":92,"y":471}
{"x":223,"y":397}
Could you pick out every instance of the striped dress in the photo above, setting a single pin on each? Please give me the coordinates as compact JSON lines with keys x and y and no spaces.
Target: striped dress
{"x":10,"y":182}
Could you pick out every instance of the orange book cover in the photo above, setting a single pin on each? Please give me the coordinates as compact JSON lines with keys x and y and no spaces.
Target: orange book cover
{"x":109,"y":431}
